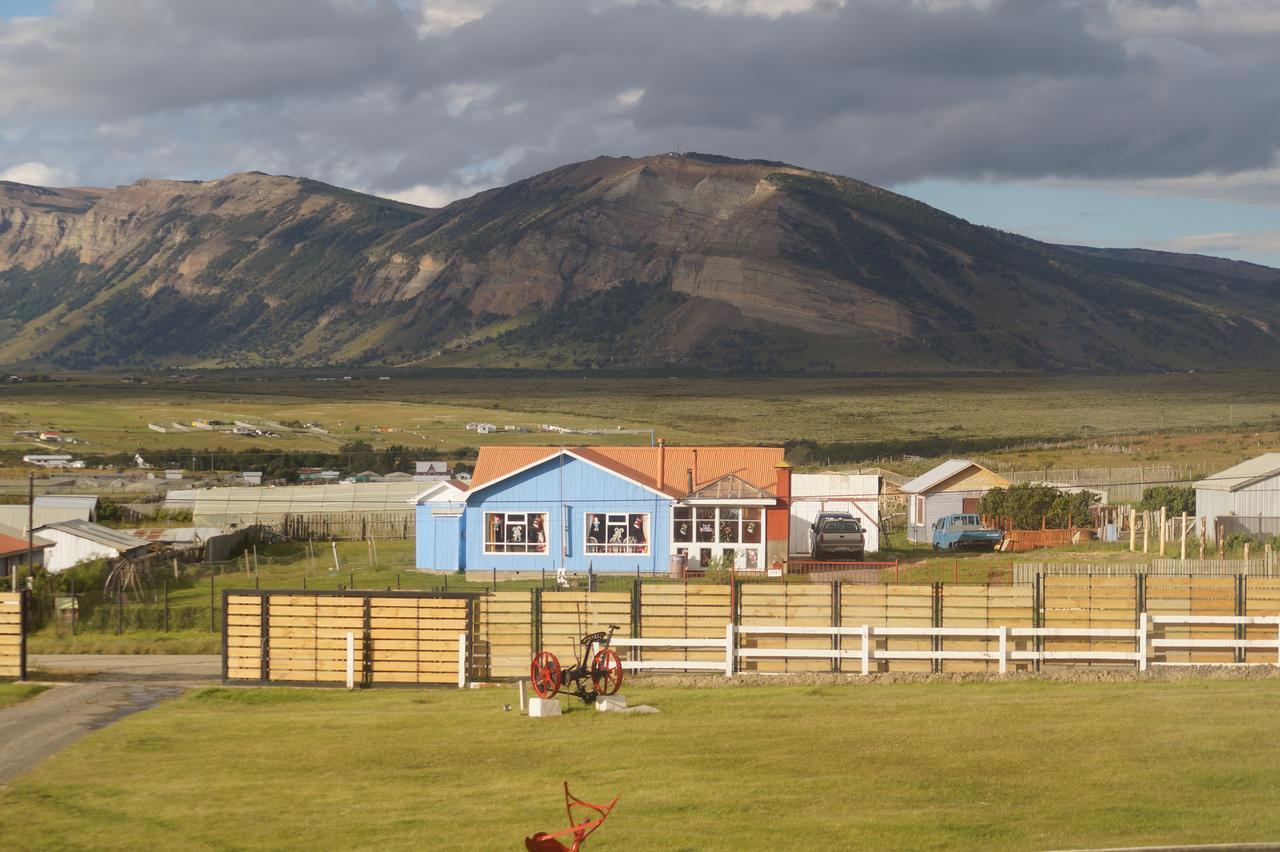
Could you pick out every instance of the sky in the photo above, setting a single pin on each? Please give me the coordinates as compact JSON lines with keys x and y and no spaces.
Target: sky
{"x":1150,"y":123}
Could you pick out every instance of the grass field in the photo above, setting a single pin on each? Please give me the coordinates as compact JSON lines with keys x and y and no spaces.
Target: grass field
{"x":1003,"y":765}
{"x":12,"y":693}
{"x":1115,"y":420}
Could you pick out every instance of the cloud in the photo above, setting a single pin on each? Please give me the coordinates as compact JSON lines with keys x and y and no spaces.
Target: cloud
{"x":1262,"y":243}
{"x":35,"y":174}
{"x":420,"y":100}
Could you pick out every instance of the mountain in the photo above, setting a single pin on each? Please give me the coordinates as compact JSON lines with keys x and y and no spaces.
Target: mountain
{"x":687,"y":259}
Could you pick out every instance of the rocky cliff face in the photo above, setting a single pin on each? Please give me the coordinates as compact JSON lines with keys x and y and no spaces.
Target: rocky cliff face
{"x":685,"y":259}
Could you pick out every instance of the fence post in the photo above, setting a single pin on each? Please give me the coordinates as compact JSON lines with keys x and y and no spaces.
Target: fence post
{"x":728,"y":649}
{"x":351,"y":660}
{"x":1144,"y":640}
{"x":119,"y":612}
{"x":75,"y":607}
{"x":166,"y":606}
{"x":866,"y":648}
{"x":1004,"y":649}
{"x":836,"y":639}
{"x":462,"y":660}
{"x":213,"y":625}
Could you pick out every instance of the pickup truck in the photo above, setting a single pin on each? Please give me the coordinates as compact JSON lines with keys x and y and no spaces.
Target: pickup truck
{"x":959,"y":531}
{"x":838,"y":538}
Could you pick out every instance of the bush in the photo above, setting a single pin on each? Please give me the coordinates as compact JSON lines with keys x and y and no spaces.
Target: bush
{"x":1176,"y":499}
{"x":1026,"y":504}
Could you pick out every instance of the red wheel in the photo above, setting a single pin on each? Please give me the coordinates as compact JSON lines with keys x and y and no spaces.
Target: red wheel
{"x":606,"y":671}
{"x":545,"y":674}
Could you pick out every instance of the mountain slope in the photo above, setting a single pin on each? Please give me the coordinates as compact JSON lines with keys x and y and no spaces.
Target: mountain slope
{"x":693,"y":259}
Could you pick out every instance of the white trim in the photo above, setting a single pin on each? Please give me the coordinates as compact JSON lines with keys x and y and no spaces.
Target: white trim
{"x":435,"y":486}
{"x":528,"y":546}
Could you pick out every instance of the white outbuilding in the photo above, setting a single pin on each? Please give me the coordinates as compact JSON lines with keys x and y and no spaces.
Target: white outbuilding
{"x":1243,"y":498}
{"x":813,"y":493}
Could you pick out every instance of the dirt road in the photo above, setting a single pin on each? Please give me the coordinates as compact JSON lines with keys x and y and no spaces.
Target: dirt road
{"x":100,"y":689}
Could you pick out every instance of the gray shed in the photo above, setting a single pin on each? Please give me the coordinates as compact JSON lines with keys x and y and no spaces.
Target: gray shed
{"x":1244,"y":498}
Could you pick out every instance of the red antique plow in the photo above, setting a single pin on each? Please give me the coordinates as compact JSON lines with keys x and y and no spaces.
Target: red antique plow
{"x":595,"y":815}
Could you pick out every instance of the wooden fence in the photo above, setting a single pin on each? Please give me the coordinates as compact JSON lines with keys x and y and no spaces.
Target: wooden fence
{"x":13,"y":641}
{"x":768,"y":628}
{"x":353,"y":638}
{"x":1026,"y":572}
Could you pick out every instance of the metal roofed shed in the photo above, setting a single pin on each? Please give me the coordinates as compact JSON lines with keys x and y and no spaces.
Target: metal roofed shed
{"x":1242,"y":498}
{"x":79,"y":541}
{"x":15,"y":517}
{"x":69,"y":501}
{"x":344,"y":510}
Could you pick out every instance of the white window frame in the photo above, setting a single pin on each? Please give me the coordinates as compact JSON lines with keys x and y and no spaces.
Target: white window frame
{"x":507,"y":548}
{"x":590,"y":548}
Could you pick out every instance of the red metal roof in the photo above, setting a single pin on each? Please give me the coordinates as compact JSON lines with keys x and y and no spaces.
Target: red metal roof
{"x":755,"y":465}
{"x":10,"y":545}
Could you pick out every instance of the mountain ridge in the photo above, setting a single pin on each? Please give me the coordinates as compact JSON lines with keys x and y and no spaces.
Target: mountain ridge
{"x":692,"y":260}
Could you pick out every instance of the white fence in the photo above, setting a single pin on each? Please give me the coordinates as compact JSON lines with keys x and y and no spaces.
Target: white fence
{"x":867,"y":654}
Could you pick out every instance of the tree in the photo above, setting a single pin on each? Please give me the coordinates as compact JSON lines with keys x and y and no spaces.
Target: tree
{"x":1177,"y":499}
{"x":1026,"y":504}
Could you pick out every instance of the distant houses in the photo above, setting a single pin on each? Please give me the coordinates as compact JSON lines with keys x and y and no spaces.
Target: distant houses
{"x":55,"y":460}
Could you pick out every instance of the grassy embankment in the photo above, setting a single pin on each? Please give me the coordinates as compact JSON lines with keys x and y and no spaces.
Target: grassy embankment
{"x":12,"y":693}
{"x":1000,"y":765}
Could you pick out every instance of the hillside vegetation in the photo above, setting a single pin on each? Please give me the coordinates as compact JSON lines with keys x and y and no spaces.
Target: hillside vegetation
{"x":694,"y":261}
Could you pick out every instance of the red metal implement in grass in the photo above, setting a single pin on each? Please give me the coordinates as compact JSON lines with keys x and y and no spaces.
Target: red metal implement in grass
{"x":544,"y":842}
{"x":591,"y":676}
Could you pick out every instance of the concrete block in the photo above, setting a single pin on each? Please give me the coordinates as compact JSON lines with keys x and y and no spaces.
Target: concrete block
{"x":540,"y":708}
{"x":606,"y":703}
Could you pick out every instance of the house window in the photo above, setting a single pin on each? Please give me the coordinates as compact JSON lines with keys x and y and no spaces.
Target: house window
{"x":515,"y":532}
{"x":626,"y":533}
{"x":722,"y":525}
{"x":682,"y":524}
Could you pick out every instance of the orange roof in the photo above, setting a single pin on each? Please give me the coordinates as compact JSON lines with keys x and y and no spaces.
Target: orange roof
{"x":753,"y":464}
{"x":10,"y":545}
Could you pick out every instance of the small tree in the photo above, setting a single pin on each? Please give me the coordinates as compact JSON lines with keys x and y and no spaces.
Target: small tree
{"x":1176,"y":499}
{"x":1026,"y":504}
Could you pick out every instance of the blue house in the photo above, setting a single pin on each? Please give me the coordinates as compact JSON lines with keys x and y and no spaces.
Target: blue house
{"x":607,"y":509}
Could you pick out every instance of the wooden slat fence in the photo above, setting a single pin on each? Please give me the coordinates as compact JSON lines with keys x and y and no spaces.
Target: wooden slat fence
{"x":986,"y":606}
{"x":416,"y":637}
{"x":785,"y":605}
{"x":675,"y":611}
{"x":13,"y":641}
{"x":889,"y":606}
{"x":396,"y":638}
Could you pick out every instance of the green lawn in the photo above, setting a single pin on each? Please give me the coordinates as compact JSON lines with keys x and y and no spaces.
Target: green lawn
{"x":1014,"y":765}
{"x":12,"y":693}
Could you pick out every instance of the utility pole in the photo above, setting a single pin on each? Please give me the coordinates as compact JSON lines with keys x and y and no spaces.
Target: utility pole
{"x":31,"y":523}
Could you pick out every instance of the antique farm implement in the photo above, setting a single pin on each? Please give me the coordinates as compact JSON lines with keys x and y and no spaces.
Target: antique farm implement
{"x":598,"y":671}
{"x":593,"y":818}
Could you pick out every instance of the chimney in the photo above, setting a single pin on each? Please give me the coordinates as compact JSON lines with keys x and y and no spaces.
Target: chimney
{"x":695,"y":468}
{"x":782,"y":489}
{"x":662,"y":463}
{"x":689,"y":473}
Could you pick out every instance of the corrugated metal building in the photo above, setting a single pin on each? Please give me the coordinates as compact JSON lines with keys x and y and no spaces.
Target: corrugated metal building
{"x":78,"y":541}
{"x":15,"y":517}
{"x":1247,"y":494}
{"x":951,"y":488}
{"x":348,"y":510}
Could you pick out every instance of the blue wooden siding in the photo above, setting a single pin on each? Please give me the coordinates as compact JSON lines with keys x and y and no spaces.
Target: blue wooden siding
{"x":567,"y":489}
{"x":438,"y":545}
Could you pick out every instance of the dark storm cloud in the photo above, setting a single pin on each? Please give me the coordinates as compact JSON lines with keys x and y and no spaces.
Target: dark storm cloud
{"x":360,"y":92}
